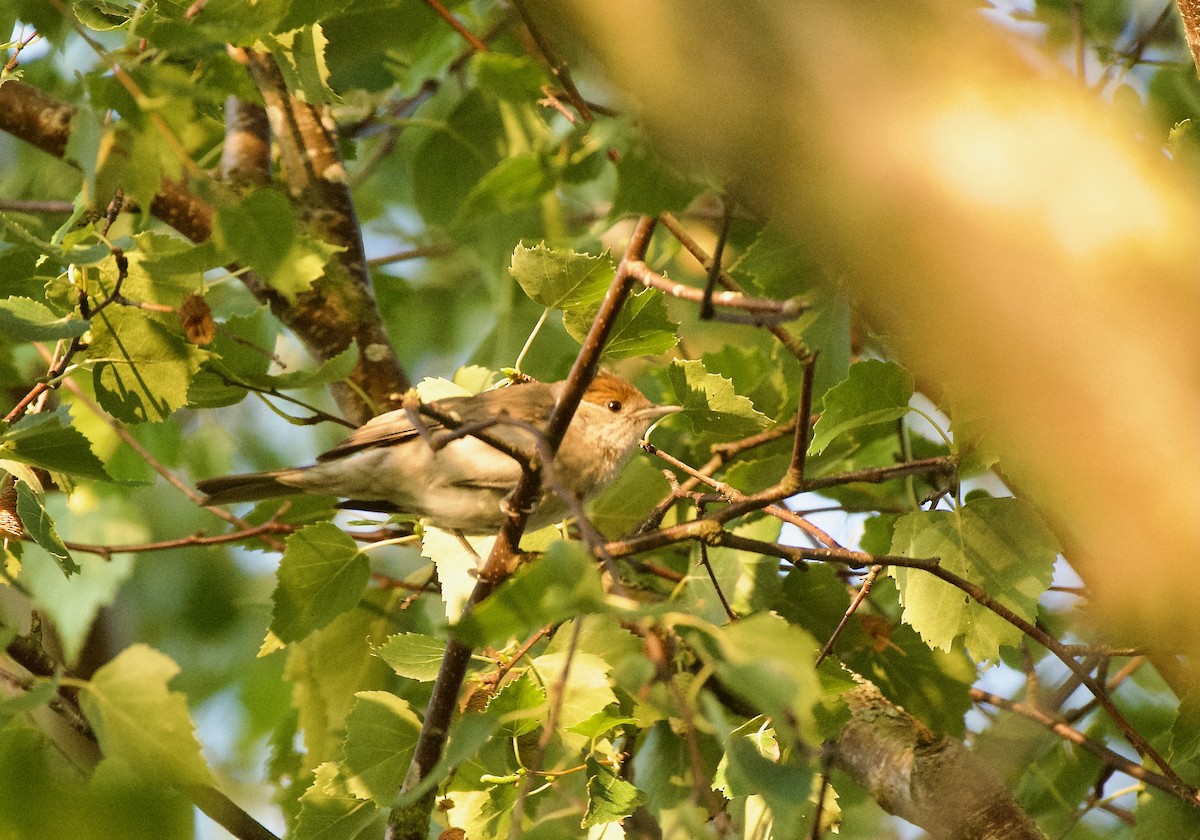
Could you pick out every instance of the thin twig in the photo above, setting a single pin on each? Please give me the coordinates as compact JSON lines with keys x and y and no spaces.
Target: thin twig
{"x":557,"y":66}
{"x":764,"y":310}
{"x":467,"y":34}
{"x":855,"y":602}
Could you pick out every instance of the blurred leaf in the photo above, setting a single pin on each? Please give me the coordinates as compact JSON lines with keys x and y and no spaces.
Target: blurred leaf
{"x":875,"y":392}
{"x":381,"y":735}
{"x":586,"y":689}
{"x":1161,"y":814}
{"x":263,"y":232}
{"x":515,"y":78}
{"x":647,"y":185}
{"x":413,"y":655}
{"x":1001,"y":545}
{"x":139,"y":721}
{"x":331,"y":370}
{"x":322,"y":575}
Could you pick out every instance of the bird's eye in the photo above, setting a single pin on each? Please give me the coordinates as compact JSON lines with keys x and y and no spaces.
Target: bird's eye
{"x":614,"y":406}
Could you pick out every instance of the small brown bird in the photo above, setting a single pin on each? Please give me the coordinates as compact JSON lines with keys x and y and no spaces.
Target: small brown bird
{"x":387,"y":465}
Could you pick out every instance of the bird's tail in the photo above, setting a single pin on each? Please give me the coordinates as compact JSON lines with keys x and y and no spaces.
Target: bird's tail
{"x":251,"y":487}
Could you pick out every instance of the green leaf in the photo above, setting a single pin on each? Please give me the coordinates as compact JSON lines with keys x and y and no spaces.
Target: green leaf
{"x":783,"y":785}
{"x":467,"y":735}
{"x":139,"y":721}
{"x":329,"y":371}
{"x":610,"y":798}
{"x":642,"y":328}
{"x":413,"y":655}
{"x":142,"y":366}
{"x":559,"y":279}
{"x":26,"y":701}
{"x":564,"y":583}
{"x":322,"y":575}
{"x":586,"y":691}
{"x":511,"y":185}
{"x":329,"y":811}
{"x":519,"y":706}
{"x":25,"y":319}
{"x":72,"y":602}
{"x":457,"y":565}
{"x":263,"y":232}
{"x":603,"y":721}
{"x":300,"y":54}
{"x":50,"y":442}
{"x":1001,"y":545}
{"x":39,"y":526}
{"x":1161,"y":814}
{"x":647,"y":185}
{"x":785,"y":688}
{"x":710,"y":403}
{"x":513,"y":78}
{"x":875,"y":392}
{"x":381,"y":735}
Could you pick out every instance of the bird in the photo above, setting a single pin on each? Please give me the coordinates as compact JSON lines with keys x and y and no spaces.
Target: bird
{"x":387,"y":464}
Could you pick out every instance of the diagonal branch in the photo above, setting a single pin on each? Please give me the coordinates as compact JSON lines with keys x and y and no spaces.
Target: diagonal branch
{"x":412,"y":822}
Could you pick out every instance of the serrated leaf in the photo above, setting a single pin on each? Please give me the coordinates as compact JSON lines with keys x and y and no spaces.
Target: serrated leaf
{"x":138,"y":720}
{"x":322,"y":575}
{"x":560,"y":279}
{"x":328,"y":811}
{"x":300,"y":54}
{"x":875,"y":392}
{"x":142,"y":368}
{"x":710,"y":402}
{"x":519,"y":706}
{"x":26,"y":319}
{"x":1001,"y":545}
{"x":562,"y":584}
{"x":381,"y":734}
{"x":610,"y":798}
{"x":643,"y":327}
{"x":413,"y":655}
{"x":40,"y":527}
{"x":46,"y":441}
{"x":457,"y":565}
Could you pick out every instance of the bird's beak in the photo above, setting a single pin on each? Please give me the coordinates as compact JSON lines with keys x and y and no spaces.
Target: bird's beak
{"x":656,"y":411}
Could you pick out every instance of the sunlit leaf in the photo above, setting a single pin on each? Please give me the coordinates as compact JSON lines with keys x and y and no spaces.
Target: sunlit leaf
{"x":322,"y":574}
{"x":1001,"y":545}
{"x":139,"y":720}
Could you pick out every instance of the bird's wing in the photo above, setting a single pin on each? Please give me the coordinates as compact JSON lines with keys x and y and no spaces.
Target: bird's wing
{"x":387,"y":429}
{"x":394,"y":427}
